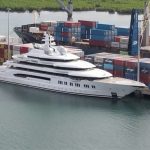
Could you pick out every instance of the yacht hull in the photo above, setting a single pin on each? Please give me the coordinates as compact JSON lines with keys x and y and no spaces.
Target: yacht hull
{"x":102,"y":89}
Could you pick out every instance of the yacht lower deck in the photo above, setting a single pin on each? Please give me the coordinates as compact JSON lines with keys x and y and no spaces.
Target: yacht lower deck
{"x":97,"y":88}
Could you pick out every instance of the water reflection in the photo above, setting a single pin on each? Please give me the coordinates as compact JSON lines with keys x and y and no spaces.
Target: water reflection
{"x":63,"y":121}
{"x":41,"y":97}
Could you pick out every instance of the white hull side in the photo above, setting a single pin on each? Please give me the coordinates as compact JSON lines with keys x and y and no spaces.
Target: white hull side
{"x":102,"y":89}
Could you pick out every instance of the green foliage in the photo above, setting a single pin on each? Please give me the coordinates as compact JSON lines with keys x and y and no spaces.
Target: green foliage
{"x":112,"y":5}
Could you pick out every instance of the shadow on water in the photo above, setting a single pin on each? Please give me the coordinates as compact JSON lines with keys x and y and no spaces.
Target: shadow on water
{"x":46,"y":99}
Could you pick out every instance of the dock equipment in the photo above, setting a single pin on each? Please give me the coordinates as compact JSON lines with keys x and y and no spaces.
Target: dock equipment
{"x":68,"y":8}
{"x":133,"y":35}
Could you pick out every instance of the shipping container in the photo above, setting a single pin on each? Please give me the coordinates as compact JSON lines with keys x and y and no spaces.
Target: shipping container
{"x":145,"y":63}
{"x":100,"y":43}
{"x":88,"y":23}
{"x":105,"y":26}
{"x":71,"y":24}
{"x":43,"y":27}
{"x":122,"y":31}
{"x":99,"y":32}
{"x":131,"y":63}
{"x":115,"y":44}
{"x":123,"y":45}
{"x":118,"y":73}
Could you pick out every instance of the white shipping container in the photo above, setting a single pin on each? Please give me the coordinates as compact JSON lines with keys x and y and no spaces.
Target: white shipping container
{"x":34,"y":29}
{"x":115,"y":44}
{"x":51,"y":29}
{"x":16,"y":49}
{"x":124,"y":45}
{"x":53,"y":23}
{"x":124,"y":40}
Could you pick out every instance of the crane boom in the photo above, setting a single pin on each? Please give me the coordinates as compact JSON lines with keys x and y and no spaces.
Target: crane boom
{"x":68,"y":8}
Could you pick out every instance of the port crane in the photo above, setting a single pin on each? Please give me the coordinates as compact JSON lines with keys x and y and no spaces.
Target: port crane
{"x":139,"y":35}
{"x":144,"y":32}
{"x":68,"y":8}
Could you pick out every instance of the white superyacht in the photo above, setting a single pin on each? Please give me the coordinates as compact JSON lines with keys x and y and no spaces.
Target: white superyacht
{"x":52,"y":68}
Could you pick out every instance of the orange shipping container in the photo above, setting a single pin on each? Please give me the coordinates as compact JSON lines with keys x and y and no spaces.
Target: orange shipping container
{"x":5,"y":53}
{"x":2,"y":45}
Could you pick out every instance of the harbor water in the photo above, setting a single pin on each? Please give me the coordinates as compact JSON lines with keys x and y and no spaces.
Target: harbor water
{"x":32,"y":119}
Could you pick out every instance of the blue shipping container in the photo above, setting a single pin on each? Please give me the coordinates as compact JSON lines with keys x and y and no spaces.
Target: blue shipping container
{"x":131,"y":76}
{"x":105,"y":26}
{"x":122,"y":31}
{"x":108,"y":66}
{"x":99,"y":32}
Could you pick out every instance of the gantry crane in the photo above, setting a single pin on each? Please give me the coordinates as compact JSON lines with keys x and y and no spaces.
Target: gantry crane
{"x":144,"y":33}
{"x":139,"y":35}
{"x":68,"y":8}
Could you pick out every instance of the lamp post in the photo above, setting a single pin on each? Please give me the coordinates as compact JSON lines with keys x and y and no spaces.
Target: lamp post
{"x":8,"y":10}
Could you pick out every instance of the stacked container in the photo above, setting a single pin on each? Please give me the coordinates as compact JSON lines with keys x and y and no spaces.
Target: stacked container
{"x":22,"y":48}
{"x":26,"y":28}
{"x":131,"y":69}
{"x":122,"y":31}
{"x":99,"y":59}
{"x":86,"y":27}
{"x":67,"y":32}
{"x":109,"y":63}
{"x":75,"y":51}
{"x":5,"y":54}
{"x":145,"y":71}
{"x":119,"y":66}
{"x":122,"y":42}
{"x":103,"y":35}
{"x":48,"y":26}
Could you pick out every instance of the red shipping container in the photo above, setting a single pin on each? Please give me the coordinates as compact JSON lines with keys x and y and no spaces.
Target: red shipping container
{"x":24,"y":50}
{"x":120,"y":61}
{"x":43,"y":27}
{"x":99,"y":43}
{"x":117,"y":39}
{"x":118,"y":73}
{"x":145,"y":78}
{"x":87,"y":23}
{"x":66,"y":34}
{"x":131,"y":63}
{"x":1,"y":52}
{"x":72,"y":24}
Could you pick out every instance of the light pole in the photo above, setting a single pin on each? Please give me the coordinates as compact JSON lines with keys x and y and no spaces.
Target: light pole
{"x":8,"y":54}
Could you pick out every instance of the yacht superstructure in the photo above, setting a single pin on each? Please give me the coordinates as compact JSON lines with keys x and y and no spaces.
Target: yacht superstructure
{"x":53,"y":68}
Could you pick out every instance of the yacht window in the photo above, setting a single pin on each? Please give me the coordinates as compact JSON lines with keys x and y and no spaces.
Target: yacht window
{"x":51,"y":66}
{"x":93,"y":86}
{"x":56,"y":60}
{"x":71,"y":84}
{"x":65,"y":83}
{"x":60,"y":82}
{"x":32,"y":76}
{"x":86,"y":86}
{"x":56,"y":74}
{"x":77,"y":84}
